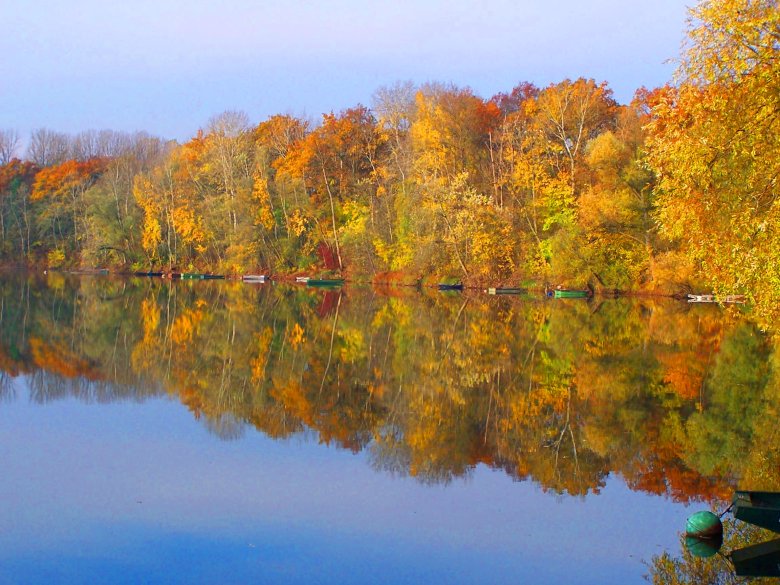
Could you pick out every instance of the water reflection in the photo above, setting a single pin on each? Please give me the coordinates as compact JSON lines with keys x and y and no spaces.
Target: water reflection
{"x":677,"y":400}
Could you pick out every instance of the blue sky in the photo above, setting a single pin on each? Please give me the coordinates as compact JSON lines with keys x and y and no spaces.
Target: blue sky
{"x":167,"y":66}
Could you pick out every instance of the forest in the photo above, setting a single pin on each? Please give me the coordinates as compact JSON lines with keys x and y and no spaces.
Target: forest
{"x":673,"y":192}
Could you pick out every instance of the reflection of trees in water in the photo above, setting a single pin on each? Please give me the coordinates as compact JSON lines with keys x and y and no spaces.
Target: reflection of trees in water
{"x":45,"y":387}
{"x":7,"y":389}
{"x":668,"y":396}
{"x":226,"y":427}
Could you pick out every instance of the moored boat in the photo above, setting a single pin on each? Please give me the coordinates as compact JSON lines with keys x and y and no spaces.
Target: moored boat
{"x":736,"y":299}
{"x":710,"y":298}
{"x":570,"y":294}
{"x":157,"y":274}
{"x":457,"y":286}
{"x":301,"y":279}
{"x":253,"y":278}
{"x":701,"y":298}
{"x":758,"y":508}
{"x":325,"y":282}
{"x":506,"y":291}
{"x":758,"y":560}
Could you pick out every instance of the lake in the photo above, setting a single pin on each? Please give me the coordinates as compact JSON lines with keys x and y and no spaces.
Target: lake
{"x":221,"y":432}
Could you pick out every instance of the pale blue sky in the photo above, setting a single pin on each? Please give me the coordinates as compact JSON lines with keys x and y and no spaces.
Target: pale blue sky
{"x":166,"y":66}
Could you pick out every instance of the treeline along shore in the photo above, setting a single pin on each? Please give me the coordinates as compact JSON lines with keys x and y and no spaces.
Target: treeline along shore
{"x":675,"y":191}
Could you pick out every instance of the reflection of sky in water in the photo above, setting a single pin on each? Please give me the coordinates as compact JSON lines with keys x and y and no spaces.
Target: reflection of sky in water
{"x":133,"y":493}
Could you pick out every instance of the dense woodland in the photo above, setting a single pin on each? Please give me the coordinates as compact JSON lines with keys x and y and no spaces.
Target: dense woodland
{"x":561,"y":184}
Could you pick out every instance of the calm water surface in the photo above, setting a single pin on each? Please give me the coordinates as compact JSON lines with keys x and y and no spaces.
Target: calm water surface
{"x":214,"y":432}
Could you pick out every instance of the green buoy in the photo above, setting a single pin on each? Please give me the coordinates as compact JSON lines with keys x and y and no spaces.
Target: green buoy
{"x":704,"y":525}
{"x":703,"y":547}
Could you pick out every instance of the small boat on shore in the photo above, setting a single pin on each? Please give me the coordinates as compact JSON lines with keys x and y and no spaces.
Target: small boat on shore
{"x":324,"y":282}
{"x":570,"y":294}
{"x":213,"y":276}
{"x":710,"y":298}
{"x":701,"y":298}
{"x":192,"y":276}
{"x":89,"y":271}
{"x":735,"y":299}
{"x":457,"y":286}
{"x":302,"y":279}
{"x":152,"y":274}
{"x":506,"y":291}
{"x":253,"y":278}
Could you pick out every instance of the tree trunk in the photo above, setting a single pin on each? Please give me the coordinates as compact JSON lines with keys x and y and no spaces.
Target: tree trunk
{"x":332,"y":215}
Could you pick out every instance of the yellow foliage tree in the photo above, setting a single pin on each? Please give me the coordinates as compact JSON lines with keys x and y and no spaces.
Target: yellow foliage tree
{"x":715,"y":144}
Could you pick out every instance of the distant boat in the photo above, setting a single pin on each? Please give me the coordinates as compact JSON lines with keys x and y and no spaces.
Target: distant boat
{"x":102,"y":271}
{"x":301,"y":279}
{"x":758,"y":508}
{"x":570,"y":294}
{"x":506,"y":291}
{"x":710,"y":298}
{"x":701,"y":298}
{"x":738,"y":299}
{"x":325,"y":282}
{"x":458,"y":286}
{"x":253,"y":278}
{"x":157,"y":274}
{"x":213,"y":276}
{"x":192,"y":276}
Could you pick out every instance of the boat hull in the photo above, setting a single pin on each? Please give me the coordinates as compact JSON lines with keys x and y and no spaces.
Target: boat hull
{"x":758,"y":508}
{"x":758,"y":560}
{"x":571,"y":294}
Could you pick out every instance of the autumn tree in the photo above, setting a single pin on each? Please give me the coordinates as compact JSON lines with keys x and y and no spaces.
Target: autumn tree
{"x":9,"y":143}
{"x":337,"y":161}
{"x":277,"y":197}
{"x":47,"y":147}
{"x":16,"y":220}
{"x":61,"y":188}
{"x":113,"y":216}
{"x":615,"y":209}
{"x":173,"y":228}
{"x":455,"y":222}
{"x":225,"y":173}
{"x":714,"y":145}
